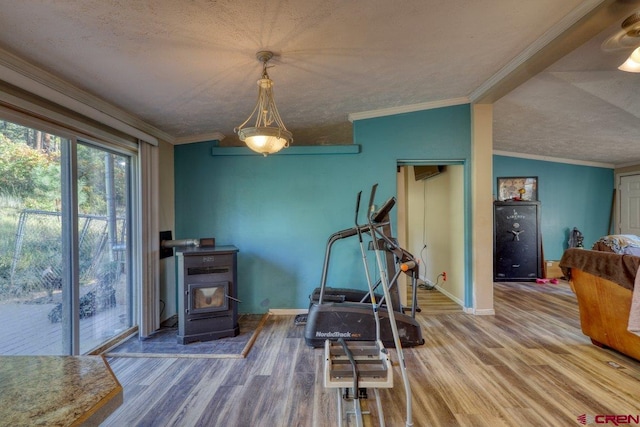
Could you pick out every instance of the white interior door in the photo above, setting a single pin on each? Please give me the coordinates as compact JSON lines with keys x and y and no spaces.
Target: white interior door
{"x":630,"y":204}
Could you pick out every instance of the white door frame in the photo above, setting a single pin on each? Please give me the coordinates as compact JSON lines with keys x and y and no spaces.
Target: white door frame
{"x":617,"y":203}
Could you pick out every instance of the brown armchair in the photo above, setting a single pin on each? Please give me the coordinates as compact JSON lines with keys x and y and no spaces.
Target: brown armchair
{"x":603,"y":283}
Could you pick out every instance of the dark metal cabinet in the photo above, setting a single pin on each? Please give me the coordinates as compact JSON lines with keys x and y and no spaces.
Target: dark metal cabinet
{"x":517,"y":244}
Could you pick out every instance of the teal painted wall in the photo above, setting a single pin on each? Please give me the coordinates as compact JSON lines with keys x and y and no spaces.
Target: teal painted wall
{"x":280,"y":210}
{"x":570,"y":196}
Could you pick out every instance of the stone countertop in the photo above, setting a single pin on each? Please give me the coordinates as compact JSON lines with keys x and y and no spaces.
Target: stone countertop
{"x":56,"y":390}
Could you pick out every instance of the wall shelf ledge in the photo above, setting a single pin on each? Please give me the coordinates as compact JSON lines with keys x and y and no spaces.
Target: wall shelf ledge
{"x":304,"y":150}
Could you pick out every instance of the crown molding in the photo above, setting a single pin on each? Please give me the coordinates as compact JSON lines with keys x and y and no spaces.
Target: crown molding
{"x":299,"y":150}
{"x":203,"y":137}
{"x":628,"y":164}
{"x":407,"y":108}
{"x":554,"y":159}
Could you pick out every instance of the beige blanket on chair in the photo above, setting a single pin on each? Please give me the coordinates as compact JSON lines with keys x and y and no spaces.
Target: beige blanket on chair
{"x":634,"y":314}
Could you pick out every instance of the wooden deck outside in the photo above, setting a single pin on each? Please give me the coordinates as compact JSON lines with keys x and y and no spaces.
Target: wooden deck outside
{"x":26,"y":329}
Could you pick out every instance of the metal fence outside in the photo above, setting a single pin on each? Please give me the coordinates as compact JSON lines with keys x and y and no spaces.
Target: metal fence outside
{"x":37,"y":259}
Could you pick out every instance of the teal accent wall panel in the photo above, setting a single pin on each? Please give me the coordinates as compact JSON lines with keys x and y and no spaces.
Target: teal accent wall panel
{"x":570,"y":196}
{"x":280,"y":210}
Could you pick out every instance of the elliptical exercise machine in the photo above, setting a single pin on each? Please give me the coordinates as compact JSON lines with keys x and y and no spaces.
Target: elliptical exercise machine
{"x":346,"y":313}
{"x":359,"y":365}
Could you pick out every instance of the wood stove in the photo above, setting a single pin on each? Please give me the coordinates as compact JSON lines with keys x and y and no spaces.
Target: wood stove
{"x":207,"y":293}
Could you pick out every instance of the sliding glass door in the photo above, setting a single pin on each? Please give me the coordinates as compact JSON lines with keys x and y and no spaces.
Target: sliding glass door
{"x":31,"y":254}
{"x":65,"y":257}
{"x":104,"y":250}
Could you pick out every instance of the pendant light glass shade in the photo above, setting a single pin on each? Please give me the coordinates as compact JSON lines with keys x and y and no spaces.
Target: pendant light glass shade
{"x":632,"y":64}
{"x":269,"y":134}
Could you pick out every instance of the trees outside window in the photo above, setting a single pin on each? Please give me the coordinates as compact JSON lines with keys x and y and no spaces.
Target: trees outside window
{"x":64,"y":270}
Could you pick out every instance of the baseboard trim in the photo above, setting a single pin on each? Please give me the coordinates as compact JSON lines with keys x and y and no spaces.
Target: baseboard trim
{"x":450,"y":296}
{"x":480,"y":311}
{"x":287,"y":311}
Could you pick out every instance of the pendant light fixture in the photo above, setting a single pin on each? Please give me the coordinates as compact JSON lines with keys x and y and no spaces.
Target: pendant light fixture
{"x":631,"y":28}
{"x":632,"y":64}
{"x":269,"y":134}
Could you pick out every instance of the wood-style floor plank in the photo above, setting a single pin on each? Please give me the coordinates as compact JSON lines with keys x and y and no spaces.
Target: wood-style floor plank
{"x":529,"y":365}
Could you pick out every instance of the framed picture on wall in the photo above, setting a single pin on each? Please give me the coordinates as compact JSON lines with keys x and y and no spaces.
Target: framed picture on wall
{"x":518,"y":188}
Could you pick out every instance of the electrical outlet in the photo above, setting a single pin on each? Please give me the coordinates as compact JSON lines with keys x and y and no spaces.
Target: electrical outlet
{"x":444,"y":276}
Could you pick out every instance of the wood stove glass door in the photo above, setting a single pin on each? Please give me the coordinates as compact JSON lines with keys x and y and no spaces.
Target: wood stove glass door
{"x":208,"y":297}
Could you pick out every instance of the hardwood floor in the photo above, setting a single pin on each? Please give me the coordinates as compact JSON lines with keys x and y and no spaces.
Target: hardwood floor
{"x":529,"y":365}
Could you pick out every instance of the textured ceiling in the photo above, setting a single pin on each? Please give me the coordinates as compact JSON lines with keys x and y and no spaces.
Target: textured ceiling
{"x":581,"y":107}
{"x":189,"y":68}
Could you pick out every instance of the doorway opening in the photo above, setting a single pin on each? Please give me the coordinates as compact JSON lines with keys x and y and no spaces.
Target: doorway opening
{"x":431,"y":224}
